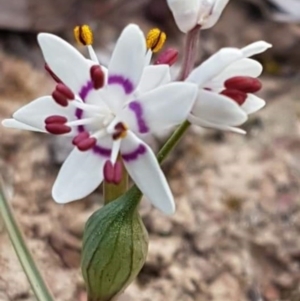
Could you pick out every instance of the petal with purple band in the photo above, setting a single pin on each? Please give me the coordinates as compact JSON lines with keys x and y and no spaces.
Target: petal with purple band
{"x":35,"y":113}
{"x":161,"y":108}
{"x":102,"y":151}
{"x":145,"y":171}
{"x":136,"y":107}
{"x":125,"y":83}
{"x":133,"y":155}
{"x":76,"y":182}
{"x":65,"y":61}
{"x":128,"y":59}
{"x":85,"y":90}
{"x":125,"y":67}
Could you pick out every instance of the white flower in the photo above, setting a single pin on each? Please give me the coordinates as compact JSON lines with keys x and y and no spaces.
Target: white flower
{"x":227,"y":81}
{"x":190,"y":13}
{"x":288,"y":10}
{"x":106,"y":121}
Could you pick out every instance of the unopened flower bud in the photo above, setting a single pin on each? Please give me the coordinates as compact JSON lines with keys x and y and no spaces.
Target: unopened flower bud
{"x":168,"y":57}
{"x":190,"y":13}
{"x":155,"y":39}
{"x":83,"y":35}
{"x":115,"y":245}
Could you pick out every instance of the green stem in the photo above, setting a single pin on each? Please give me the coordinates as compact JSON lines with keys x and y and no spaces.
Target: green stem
{"x":36,"y":281}
{"x":172,"y":141}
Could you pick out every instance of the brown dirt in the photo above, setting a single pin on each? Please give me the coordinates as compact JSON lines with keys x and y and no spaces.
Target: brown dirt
{"x":235,"y":235}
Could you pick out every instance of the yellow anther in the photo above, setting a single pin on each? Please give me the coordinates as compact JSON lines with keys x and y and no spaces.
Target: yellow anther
{"x":155,"y":39}
{"x":83,"y":35}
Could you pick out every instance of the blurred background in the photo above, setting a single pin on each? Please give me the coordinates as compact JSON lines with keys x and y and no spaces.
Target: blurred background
{"x":235,"y":235}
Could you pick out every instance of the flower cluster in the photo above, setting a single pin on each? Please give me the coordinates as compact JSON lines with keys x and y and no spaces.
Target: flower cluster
{"x":109,"y":110}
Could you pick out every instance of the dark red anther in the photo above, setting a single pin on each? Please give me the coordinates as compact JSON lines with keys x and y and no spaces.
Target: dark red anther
{"x":108,"y":171}
{"x":97,"y":76}
{"x":120,"y":130}
{"x":118,"y":169}
{"x":245,"y":84}
{"x":80,"y":137}
{"x":60,"y":98}
{"x":168,"y":57}
{"x":236,"y":95}
{"x":56,"y":119}
{"x":52,"y":74}
{"x":113,"y":173}
{"x":86,"y":144}
{"x":57,"y":128}
{"x":62,"y":94}
{"x":63,"y":89}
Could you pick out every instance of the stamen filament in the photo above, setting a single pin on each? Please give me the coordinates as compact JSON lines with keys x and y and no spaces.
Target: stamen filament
{"x":92,"y":54}
{"x":87,"y":107}
{"x":99,"y":134}
{"x":82,"y":121}
{"x":115,"y":150}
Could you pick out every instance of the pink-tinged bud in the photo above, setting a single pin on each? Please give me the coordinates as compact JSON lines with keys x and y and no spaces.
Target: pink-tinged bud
{"x":238,"y":96}
{"x":97,"y":76}
{"x":86,"y":144}
{"x":108,"y":171}
{"x":57,"y":128}
{"x":56,"y":119}
{"x":168,"y":57}
{"x":80,"y":137}
{"x":245,"y":84}
{"x":52,"y":74}
{"x":118,"y":170}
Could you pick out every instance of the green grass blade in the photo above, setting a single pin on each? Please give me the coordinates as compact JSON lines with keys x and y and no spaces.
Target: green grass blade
{"x":34,"y":276}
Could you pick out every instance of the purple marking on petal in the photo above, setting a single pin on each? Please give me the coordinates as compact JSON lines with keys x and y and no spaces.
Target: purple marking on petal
{"x":102,"y":151}
{"x":136,"y":107}
{"x":126,"y":84}
{"x":78,"y":114}
{"x":140,"y":150}
{"x":85,"y":90}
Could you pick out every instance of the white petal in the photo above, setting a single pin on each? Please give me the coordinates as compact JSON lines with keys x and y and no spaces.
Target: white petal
{"x":81,"y":174}
{"x":207,"y":124}
{"x":126,"y":66}
{"x":66,"y":62}
{"x":35,"y":113}
{"x":255,"y":48}
{"x":145,"y":171}
{"x":213,"y":66}
{"x":253,"y":104}
{"x":216,"y":13}
{"x":218,"y":109}
{"x":14,"y":124}
{"x":154,"y":76}
{"x":161,"y":108}
{"x":242,"y":67}
{"x":291,"y":7}
{"x":185,"y":13}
